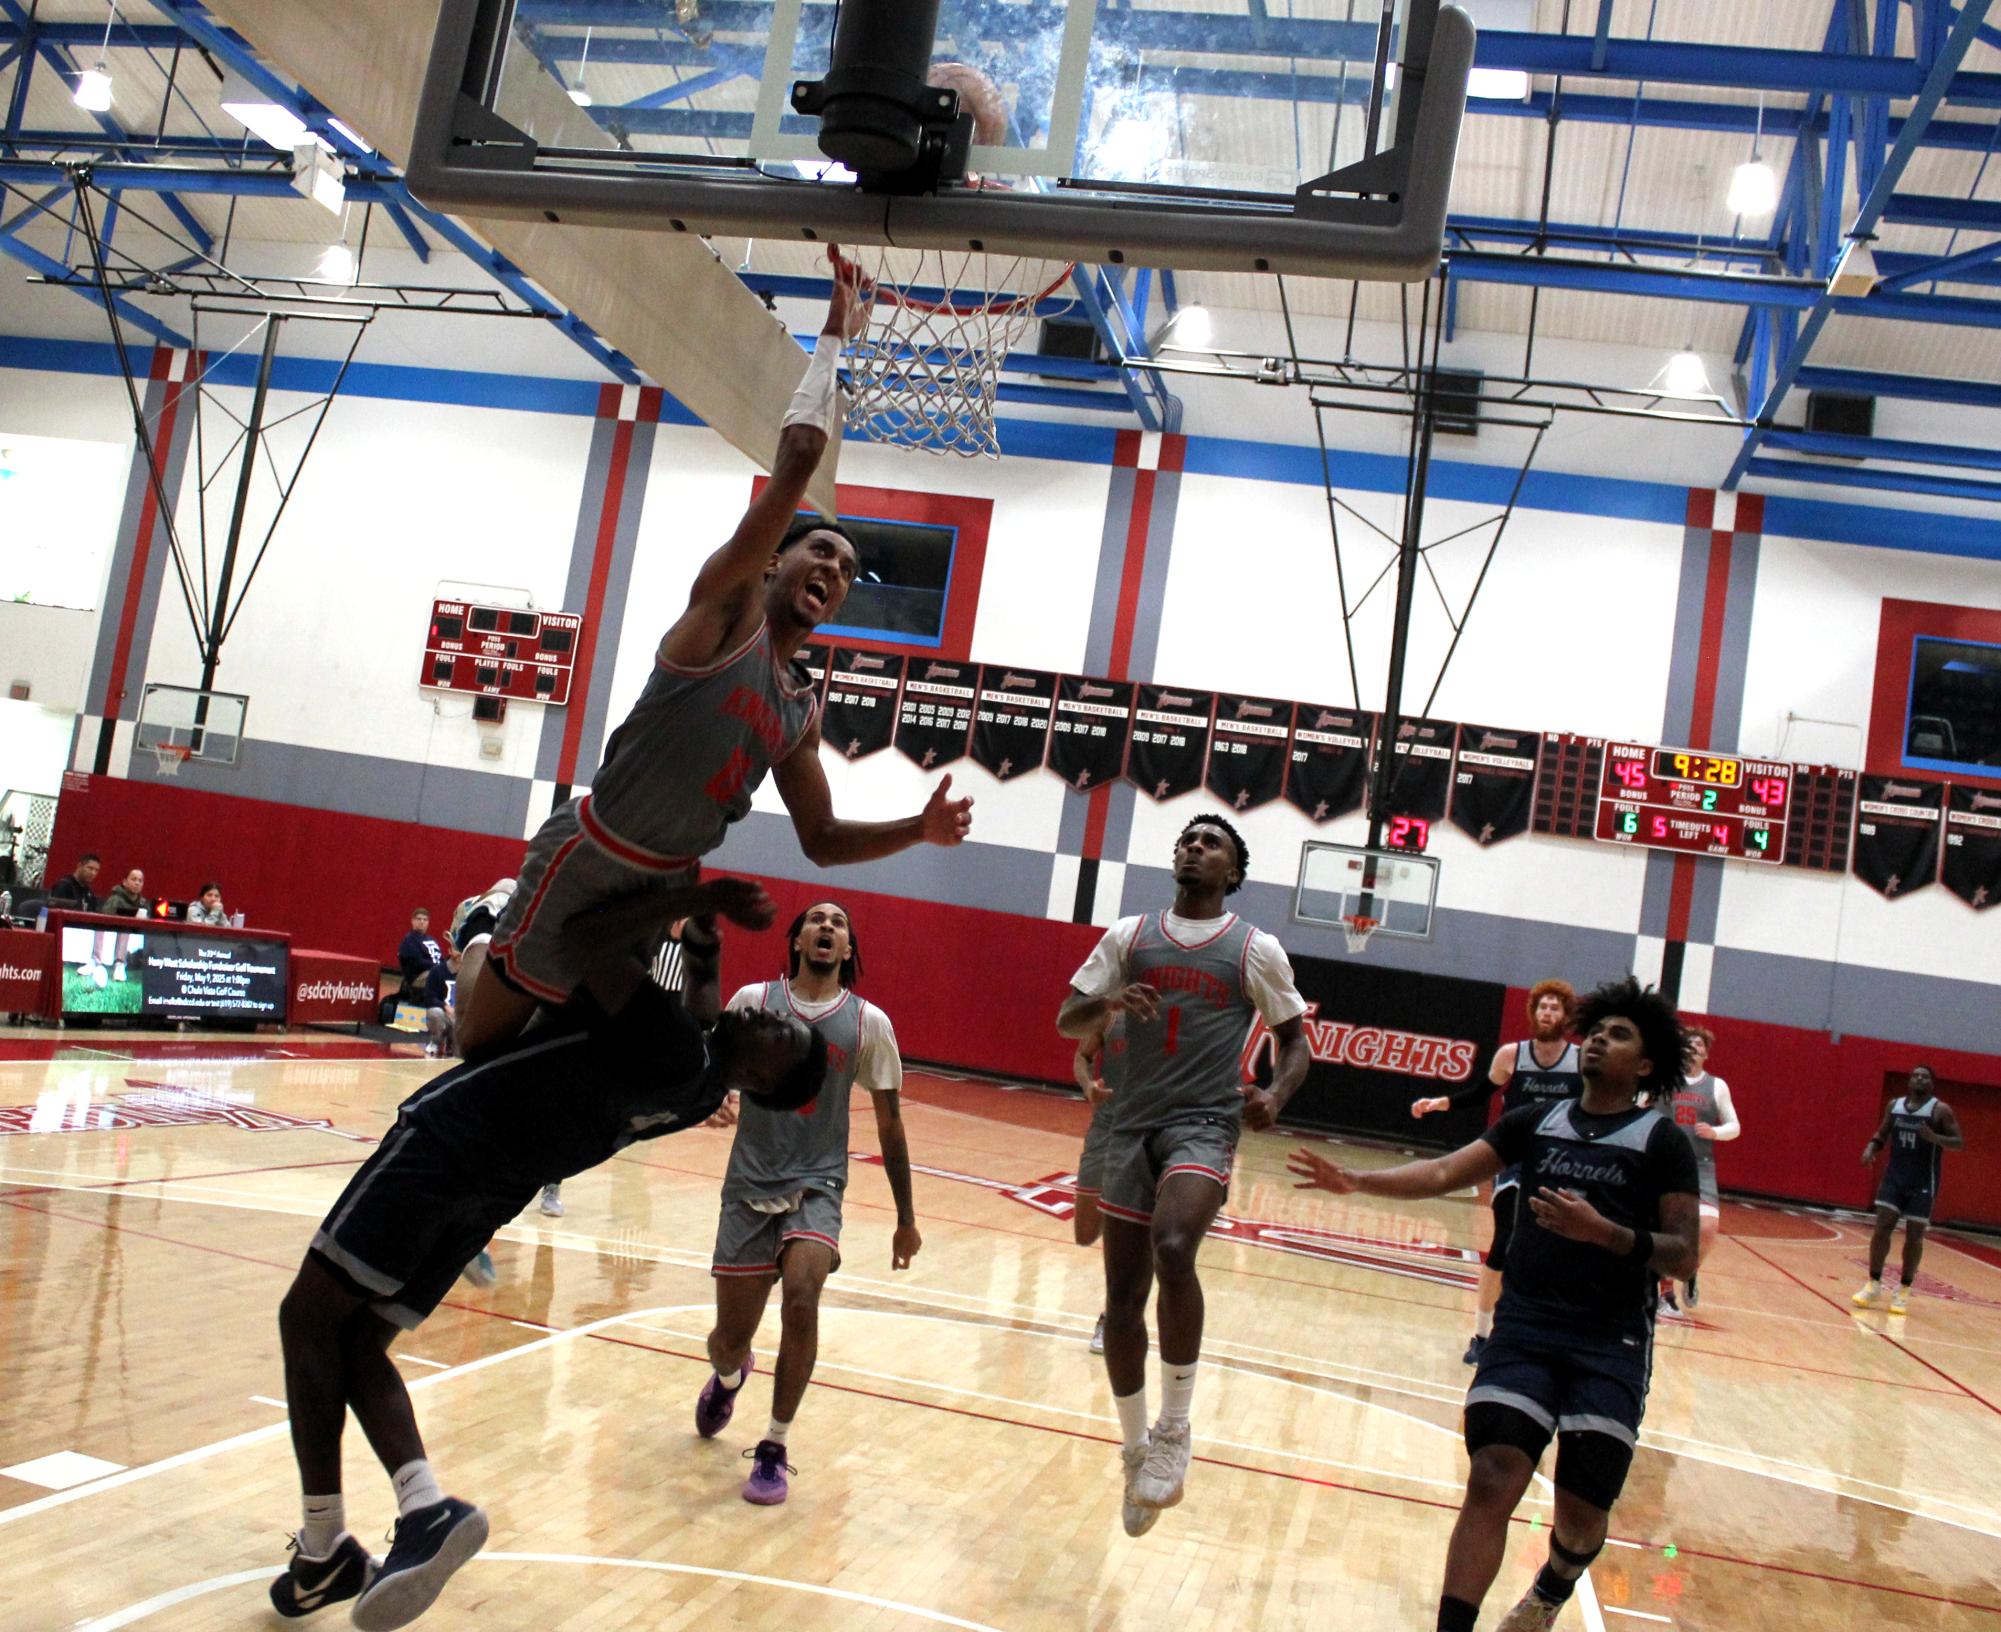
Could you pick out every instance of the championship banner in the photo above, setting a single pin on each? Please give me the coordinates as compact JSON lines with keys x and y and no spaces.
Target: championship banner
{"x":936,"y":715}
{"x":1011,"y":724}
{"x":1381,"y":1038}
{"x":1170,"y":741}
{"x":1896,"y":834}
{"x":861,"y":701}
{"x":1330,"y":759}
{"x":1248,"y":750}
{"x":1493,"y":782}
{"x":814,"y":656}
{"x":1972,"y":867}
{"x":1087,"y":739}
{"x":1421,"y":772}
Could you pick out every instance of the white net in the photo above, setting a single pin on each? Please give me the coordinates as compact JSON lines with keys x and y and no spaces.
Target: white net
{"x":170,"y":757}
{"x":1358,"y":927}
{"x":925,"y":371}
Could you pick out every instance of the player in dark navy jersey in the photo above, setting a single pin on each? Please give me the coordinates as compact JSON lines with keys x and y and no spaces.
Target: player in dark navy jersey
{"x":1540,"y":1068}
{"x":725,"y":703}
{"x":1611,"y":1194}
{"x":1916,"y":1127}
{"x":622,"y":1061}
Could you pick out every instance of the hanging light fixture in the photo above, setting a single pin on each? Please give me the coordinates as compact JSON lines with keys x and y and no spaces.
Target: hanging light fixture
{"x":1685,"y":374}
{"x":338,"y":264}
{"x":1754,"y":184}
{"x":1190,"y":329}
{"x":580,"y":91}
{"x":93,"y":84}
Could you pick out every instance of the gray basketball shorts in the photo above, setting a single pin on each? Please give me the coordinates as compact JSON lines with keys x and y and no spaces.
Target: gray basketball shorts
{"x":1091,"y":1160}
{"x":749,"y":1242}
{"x":1707,"y":1199}
{"x":572,"y":865}
{"x":1138,"y":1161}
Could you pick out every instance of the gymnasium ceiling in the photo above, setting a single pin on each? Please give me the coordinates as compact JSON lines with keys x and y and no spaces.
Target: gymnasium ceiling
{"x":1597,"y":205}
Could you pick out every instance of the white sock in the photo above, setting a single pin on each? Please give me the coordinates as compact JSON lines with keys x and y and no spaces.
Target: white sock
{"x":1483,"y":1323}
{"x":776,"y":1430}
{"x":1132,"y":1417}
{"x":416,"y":1486}
{"x":326,"y":1523}
{"x":732,"y":1379}
{"x":1177,"y":1391}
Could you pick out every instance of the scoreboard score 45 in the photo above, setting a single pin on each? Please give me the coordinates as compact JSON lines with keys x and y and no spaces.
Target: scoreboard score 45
{"x":1701,"y":803}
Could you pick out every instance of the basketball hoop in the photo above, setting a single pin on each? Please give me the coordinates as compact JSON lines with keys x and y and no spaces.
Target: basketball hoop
{"x":171,"y":756}
{"x":1358,"y":927}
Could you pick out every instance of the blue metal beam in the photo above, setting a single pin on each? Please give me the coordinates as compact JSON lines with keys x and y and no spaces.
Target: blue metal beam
{"x":1947,"y":270}
{"x":420,"y":246}
{"x":1885,"y":481}
{"x":48,"y":266}
{"x":1883,"y":447}
{"x":1936,"y":87}
{"x":1869,"y":383}
{"x":1931,"y":210}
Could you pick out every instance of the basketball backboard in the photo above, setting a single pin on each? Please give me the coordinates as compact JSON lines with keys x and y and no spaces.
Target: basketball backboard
{"x":1182,"y":134}
{"x":1339,"y":882}
{"x":207,"y":724}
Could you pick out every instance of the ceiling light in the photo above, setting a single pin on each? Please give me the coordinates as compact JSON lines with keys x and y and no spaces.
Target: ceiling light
{"x":1855,"y":274}
{"x":580,"y":93}
{"x":93,"y":89}
{"x":251,"y":108}
{"x":1754,"y":189}
{"x":1190,"y":329}
{"x":1497,"y":85}
{"x":348,"y":132}
{"x":337,"y":264}
{"x":1685,"y":375}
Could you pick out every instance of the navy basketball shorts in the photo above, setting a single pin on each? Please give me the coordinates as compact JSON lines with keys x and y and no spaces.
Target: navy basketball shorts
{"x":1586,"y":1389}
{"x":1911,"y":1202}
{"x":571,"y":867}
{"x":1091,"y":1160}
{"x":750,"y":1240}
{"x":1138,"y":1161}
{"x":412,"y":1217}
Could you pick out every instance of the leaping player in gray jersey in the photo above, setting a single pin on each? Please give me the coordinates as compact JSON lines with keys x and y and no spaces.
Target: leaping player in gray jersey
{"x":1915,"y":1128}
{"x":1187,"y":982}
{"x":726,"y":703}
{"x":781,"y":1213}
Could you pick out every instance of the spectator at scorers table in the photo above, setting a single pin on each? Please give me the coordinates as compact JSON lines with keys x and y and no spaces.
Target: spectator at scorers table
{"x":207,"y":907}
{"x":75,"y":890}
{"x":128,"y":897}
{"x":425,"y":962}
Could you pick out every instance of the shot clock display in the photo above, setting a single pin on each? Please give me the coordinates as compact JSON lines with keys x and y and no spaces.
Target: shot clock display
{"x":1407,"y":833}
{"x":1702,"y":803}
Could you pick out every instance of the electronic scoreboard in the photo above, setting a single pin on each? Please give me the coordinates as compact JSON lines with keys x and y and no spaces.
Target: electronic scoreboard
{"x":501,"y":651}
{"x":1702,"y":803}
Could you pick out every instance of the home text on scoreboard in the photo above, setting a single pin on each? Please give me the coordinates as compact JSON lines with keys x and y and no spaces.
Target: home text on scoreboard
{"x":501,"y":651}
{"x":1702,"y":803}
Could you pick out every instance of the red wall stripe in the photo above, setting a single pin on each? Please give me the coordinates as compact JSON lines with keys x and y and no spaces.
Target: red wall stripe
{"x":1715,"y":597}
{"x":142,"y":543}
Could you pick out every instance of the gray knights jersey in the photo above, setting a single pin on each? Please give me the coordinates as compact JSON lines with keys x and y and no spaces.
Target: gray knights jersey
{"x":780,"y":1151}
{"x":1696,"y":1102}
{"x":684,"y":763}
{"x":1913,"y":1158}
{"x":1188,"y":1060}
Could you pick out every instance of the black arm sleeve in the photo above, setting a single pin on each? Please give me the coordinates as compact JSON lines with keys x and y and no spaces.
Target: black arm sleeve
{"x":1510,"y":1135}
{"x":1477,"y":1092}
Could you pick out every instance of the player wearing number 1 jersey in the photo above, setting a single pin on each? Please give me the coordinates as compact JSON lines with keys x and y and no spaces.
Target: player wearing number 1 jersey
{"x":1187,"y":982}
{"x":1539,"y":1070}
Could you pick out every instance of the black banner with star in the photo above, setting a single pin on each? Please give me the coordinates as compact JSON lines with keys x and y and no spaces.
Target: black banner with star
{"x":861,"y":702}
{"x":1330,"y":759}
{"x":1493,"y":782}
{"x":1972,"y":866}
{"x":1247,"y":750}
{"x":1421,"y":770}
{"x":1087,"y":739}
{"x":1897,"y":833}
{"x":1170,"y":740}
{"x":1011,"y":723}
{"x":936,"y":715}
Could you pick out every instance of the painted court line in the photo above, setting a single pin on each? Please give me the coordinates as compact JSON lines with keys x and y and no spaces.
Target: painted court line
{"x":1638,"y":1614}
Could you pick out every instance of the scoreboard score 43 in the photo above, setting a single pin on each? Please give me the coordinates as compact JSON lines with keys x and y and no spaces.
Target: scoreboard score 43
{"x":1702,"y":803}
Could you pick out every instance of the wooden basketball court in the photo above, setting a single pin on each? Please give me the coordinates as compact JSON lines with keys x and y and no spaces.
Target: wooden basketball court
{"x":1802,"y":1466}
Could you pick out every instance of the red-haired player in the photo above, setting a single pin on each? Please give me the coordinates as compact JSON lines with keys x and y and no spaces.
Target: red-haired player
{"x":1539,"y":1069}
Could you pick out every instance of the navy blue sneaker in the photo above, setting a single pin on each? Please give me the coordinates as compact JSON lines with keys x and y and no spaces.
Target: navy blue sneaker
{"x":430,"y":1545}
{"x":310,"y":1584}
{"x":715,"y":1405}
{"x":1474,"y":1350}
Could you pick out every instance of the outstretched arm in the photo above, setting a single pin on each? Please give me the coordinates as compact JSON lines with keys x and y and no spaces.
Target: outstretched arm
{"x":724,"y":595}
{"x":832,"y":841}
{"x":1499,"y":1074}
{"x":1413,"y":1181}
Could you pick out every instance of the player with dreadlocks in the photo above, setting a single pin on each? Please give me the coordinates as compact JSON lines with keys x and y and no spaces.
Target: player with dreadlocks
{"x":781,"y":1205}
{"x":1611,"y":1204}
{"x":1187,"y":982}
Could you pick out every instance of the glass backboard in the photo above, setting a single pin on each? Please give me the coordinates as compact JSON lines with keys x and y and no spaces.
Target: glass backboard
{"x":1397,"y":888}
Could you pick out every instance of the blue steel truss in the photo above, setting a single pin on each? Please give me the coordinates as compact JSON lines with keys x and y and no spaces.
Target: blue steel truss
{"x":1855,"y":111}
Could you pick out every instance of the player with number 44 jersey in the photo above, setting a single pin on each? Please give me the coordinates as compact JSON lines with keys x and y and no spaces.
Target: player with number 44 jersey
{"x":1187,"y":982}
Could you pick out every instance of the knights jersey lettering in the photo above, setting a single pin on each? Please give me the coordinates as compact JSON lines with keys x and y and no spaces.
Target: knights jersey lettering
{"x":779,"y":1151}
{"x":1187,"y":1060}
{"x":1913,"y":1158}
{"x":683,"y":764}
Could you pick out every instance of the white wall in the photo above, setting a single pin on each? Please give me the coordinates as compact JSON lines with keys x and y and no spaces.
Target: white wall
{"x":34,"y":747}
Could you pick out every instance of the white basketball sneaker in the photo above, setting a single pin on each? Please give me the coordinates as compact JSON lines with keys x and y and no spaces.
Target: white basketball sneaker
{"x":1138,"y":1520}
{"x":1534,"y":1613}
{"x":1160,"y":1478}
